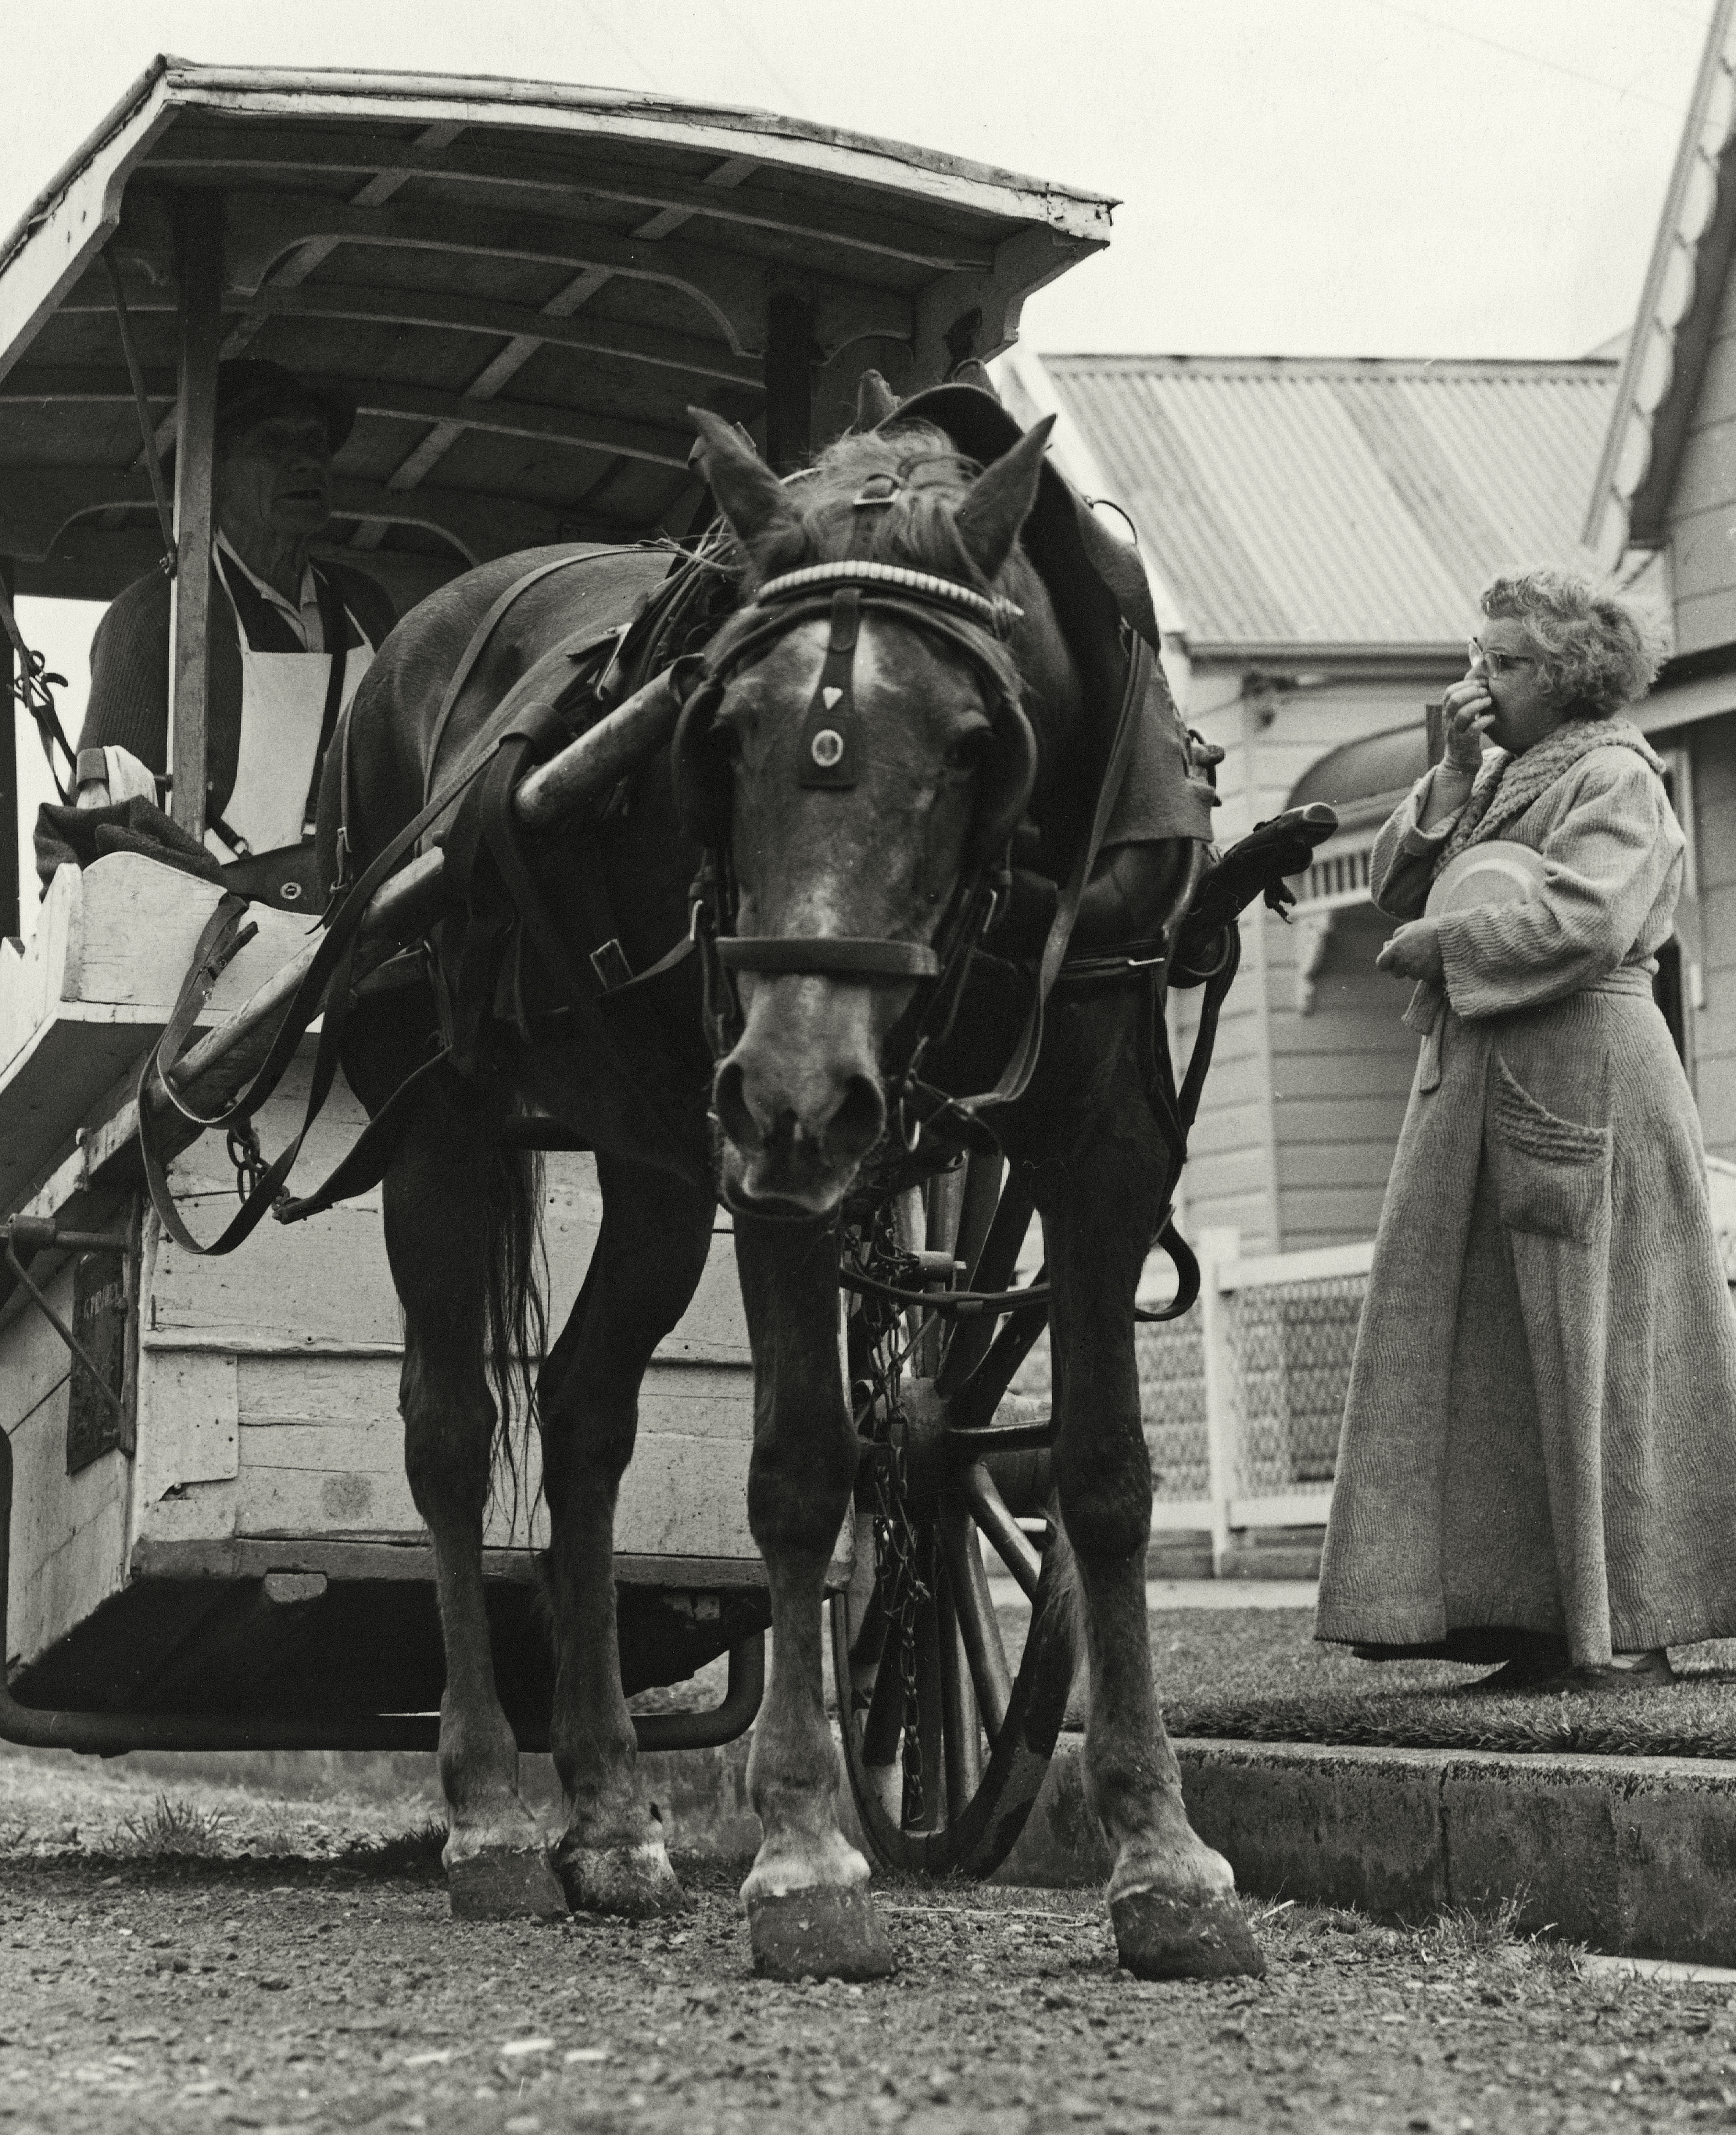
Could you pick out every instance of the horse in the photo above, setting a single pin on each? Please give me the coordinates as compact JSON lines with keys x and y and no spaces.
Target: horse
{"x":857,"y":783}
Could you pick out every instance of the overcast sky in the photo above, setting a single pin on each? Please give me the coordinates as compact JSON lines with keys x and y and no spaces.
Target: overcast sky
{"x":1377,"y":178}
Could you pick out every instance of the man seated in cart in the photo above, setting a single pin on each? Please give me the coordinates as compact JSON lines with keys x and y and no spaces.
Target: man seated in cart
{"x":289,"y":639}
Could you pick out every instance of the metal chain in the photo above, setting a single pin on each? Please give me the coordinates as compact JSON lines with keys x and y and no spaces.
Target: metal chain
{"x":902,"y":1571}
{"x":247,"y":1157}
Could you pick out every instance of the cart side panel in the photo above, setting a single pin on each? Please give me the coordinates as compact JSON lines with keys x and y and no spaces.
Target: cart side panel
{"x":292,"y":1347}
{"x":69,"y":1538}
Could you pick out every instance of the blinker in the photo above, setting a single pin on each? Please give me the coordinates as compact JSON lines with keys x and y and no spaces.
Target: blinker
{"x":830,"y":751}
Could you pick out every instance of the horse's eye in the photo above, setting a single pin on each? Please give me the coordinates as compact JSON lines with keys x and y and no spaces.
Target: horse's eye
{"x":726,"y":743}
{"x":967,"y":753}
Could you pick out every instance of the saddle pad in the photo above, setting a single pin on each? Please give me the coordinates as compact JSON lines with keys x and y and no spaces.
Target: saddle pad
{"x":1498,"y":873}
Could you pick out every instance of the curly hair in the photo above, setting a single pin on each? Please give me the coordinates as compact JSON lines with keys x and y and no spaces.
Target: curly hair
{"x":1597,"y":649}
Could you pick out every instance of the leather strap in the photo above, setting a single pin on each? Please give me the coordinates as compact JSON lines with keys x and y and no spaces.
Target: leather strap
{"x":479,"y":638}
{"x":844,"y":956}
{"x":1015,"y":1077}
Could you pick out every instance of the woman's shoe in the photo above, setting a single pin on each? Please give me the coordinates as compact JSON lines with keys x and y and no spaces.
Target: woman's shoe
{"x":1525,"y":1672}
{"x":1643,"y":1672}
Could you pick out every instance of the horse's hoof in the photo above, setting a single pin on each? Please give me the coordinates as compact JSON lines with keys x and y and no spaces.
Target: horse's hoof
{"x":1159,"y":1938}
{"x":824,"y":1932}
{"x":501,"y":1883}
{"x":634,"y":1882}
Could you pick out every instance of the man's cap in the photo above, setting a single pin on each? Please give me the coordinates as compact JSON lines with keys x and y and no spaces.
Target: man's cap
{"x":252,"y":389}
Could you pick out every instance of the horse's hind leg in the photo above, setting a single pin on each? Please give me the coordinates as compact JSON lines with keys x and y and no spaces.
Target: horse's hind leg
{"x":808,"y":1909}
{"x":650,"y":1254}
{"x":1171,"y":1898}
{"x":448,"y":1197}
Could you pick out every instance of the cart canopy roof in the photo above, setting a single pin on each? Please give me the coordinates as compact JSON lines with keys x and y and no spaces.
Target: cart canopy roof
{"x":522,"y":285}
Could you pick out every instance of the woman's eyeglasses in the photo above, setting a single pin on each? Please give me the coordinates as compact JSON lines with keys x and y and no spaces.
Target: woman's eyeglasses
{"x":1496,"y":663}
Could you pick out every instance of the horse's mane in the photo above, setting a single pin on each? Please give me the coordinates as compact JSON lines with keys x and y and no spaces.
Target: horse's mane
{"x":917,"y":530}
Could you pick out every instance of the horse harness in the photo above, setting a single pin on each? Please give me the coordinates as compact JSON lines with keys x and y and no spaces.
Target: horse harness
{"x":975,"y":626}
{"x":534,"y":720}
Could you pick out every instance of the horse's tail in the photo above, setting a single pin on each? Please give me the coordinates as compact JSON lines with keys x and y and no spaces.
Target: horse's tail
{"x":515,"y":1271}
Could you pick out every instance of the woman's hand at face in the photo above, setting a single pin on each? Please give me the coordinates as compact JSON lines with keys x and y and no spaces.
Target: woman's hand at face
{"x":1466,"y":710}
{"x":1414,"y":952}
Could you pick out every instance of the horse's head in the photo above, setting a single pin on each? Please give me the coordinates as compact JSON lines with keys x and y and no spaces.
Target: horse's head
{"x":860,"y":761}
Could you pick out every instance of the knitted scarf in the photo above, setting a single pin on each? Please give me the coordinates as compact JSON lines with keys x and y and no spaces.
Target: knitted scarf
{"x":1504,"y":788}
{"x":1506,"y":785}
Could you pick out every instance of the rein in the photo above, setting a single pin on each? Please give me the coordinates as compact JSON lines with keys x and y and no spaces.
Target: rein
{"x":975,"y":625}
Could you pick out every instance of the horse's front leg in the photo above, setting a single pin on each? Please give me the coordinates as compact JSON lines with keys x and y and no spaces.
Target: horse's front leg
{"x":649,"y":1257}
{"x":451,"y":1203}
{"x":1171,"y":1898}
{"x":808,"y":1907}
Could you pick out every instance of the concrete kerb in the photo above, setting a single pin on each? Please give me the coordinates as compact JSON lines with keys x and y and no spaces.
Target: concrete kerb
{"x":1635,"y":1856}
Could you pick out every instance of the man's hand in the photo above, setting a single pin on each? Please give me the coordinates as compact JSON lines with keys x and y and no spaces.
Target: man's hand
{"x":1466,"y":712}
{"x":1414,"y":952}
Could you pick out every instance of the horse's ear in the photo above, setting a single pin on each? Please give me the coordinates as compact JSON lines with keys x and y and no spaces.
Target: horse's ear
{"x":875,"y":401}
{"x":991,"y":515}
{"x":749,"y":494}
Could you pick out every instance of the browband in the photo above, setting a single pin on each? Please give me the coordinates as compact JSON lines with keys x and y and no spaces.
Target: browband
{"x":999,"y":614}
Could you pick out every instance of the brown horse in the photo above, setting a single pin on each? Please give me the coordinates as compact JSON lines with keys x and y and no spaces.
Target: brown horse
{"x":859,"y":783}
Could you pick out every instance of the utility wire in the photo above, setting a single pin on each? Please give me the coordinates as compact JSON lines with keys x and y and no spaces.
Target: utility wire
{"x":1535,"y":59}
{"x":741,"y":32}
{"x":598,"y":21}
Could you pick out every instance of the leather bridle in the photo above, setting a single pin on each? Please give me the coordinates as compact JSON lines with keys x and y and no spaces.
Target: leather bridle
{"x":974,"y":625}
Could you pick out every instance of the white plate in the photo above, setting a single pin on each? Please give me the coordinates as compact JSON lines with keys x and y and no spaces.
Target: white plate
{"x":1497,"y":873}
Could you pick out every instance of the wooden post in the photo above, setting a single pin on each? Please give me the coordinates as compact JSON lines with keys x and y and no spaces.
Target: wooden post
{"x":1217,"y":1248}
{"x":199,"y":276}
{"x":789,"y":381}
{"x":11,"y":911}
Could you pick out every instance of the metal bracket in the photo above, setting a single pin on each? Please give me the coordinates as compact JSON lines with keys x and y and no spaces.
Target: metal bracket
{"x":37,"y":1234}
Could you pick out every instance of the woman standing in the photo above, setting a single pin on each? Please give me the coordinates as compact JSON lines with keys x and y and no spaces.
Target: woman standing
{"x":1538,"y":1463}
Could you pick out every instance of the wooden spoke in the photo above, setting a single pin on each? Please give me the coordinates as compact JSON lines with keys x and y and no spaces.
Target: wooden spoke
{"x":882,"y":1726}
{"x":988,"y":1509}
{"x":967,"y":1585}
{"x":960,"y":1719}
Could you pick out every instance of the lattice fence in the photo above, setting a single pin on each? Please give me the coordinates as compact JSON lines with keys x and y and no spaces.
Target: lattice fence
{"x":1289,"y":1348}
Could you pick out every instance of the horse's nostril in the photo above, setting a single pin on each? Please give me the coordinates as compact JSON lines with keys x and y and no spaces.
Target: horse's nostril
{"x":860,"y":1120}
{"x":735,"y":1114}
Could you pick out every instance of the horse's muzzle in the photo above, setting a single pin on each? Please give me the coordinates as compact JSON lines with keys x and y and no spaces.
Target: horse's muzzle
{"x":799,"y":1097}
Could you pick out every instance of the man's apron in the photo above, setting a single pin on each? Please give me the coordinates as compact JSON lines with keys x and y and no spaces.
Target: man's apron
{"x":291,"y":702}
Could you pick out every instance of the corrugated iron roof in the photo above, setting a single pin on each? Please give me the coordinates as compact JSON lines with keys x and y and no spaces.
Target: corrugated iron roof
{"x":1347,"y":502}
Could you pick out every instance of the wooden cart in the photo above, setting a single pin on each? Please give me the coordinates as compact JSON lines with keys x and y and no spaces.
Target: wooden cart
{"x":212,"y":1540}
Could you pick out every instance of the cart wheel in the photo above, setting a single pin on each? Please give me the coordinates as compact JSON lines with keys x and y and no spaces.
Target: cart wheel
{"x":945,"y":1743}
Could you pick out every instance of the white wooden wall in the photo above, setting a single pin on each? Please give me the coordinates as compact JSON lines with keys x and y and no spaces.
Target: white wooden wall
{"x":1301,"y":1111}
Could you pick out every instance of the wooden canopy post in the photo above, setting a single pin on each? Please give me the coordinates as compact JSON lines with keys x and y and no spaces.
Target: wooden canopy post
{"x":199,"y":278}
{"x":789,"y":381}
{"x":11,"y":912}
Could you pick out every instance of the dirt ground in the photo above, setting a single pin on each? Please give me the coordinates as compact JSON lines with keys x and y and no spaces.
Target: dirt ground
{"x":205,"y":1958}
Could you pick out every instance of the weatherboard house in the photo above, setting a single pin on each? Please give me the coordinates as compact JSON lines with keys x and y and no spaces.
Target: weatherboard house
{"x":1665,"y":487}
{"x":1316,"y":532}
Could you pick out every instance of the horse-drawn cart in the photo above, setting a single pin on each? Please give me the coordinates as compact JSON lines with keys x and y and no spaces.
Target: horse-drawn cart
{"x":905,"y":861}
{"x":211,"y":1541}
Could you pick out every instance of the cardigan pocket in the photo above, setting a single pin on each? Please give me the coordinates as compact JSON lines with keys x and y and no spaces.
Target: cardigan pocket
{"x":1551,"y":1174}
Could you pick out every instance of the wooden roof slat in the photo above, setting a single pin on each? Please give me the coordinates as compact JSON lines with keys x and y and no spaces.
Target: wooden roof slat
{"x":754,"y":206}
{"x":32,"y":385}
{"x":36,"y":503}
{"x":371,"y":304}
{"x":262,"y":227}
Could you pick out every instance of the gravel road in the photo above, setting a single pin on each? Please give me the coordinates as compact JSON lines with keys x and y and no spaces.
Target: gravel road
{"x":206,"y":1959}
